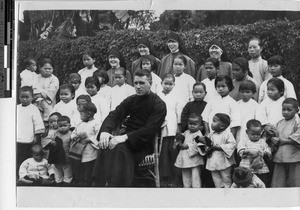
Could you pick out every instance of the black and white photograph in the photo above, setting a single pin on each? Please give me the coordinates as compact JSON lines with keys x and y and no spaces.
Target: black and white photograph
{"x":127,"y":105}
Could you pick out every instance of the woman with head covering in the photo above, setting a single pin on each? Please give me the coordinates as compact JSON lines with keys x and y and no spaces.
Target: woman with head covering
{"x":241,"y":72}
{"x":145,"y":48}
{"x":116,"y":60}
{"x":216,"y":50}
{"x":176,"y":47}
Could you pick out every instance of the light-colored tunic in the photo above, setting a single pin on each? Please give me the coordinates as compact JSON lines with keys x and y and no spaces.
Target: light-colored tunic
{"x":183,"y":87}
{"x":85,"y":73}
{"x":119,"y":93}
{"x":102,"y":105}
{"x":156,"y":83}
{"x":67,"y":109}
{"x":210,"y":89}
{"x":29,"y":78}
{"x":32,"y":167}
{"x":221,"y":160}
{"x":259,"y":69}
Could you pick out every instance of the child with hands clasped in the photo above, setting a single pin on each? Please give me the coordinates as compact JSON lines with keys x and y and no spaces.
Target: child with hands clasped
{"x":36,"y":170}
{"x":253,"y":149}
{"x":58,"y":144}
{"x":190,"y":157}
{"x":222,"y":147}
{"x":86,"y":133}
{"x":287,"y":158}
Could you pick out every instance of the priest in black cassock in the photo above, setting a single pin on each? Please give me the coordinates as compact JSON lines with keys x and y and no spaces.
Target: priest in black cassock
{"x":141,"y":115}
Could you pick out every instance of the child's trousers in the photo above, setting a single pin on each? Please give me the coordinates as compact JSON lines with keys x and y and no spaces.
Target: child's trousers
{"x":222,"y":178}
{"x":191,"y":177}
{"x":286,"y":175}
{"x":63,"y":172}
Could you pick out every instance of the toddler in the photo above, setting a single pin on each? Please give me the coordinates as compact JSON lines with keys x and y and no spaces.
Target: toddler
{"x":244,"y":178}
{"x":184,"y":82}
{"x":30,"y":125}
{"x":121,"y":90}
{"x":275,"y":64}
{"x":222,"y":147}
{"x":253,"y":149}
{"x":36,"y":170}
{"x":92,"y":86}
{"x":169,"y":173}
{"x":58,"y":144}
{"x":86,"y":133}
{"x":287,"y":158}
{"x":197,"y":106}
{"x":190,"y":157}
{"x":28,"y":76}
{"x":247,"y":106}
{"x":211,"y":67}
{"x":66,"y":106}
{"x":48,"y":87}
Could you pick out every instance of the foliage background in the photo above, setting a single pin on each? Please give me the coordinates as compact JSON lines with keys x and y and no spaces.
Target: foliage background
{"x":278,"y":36}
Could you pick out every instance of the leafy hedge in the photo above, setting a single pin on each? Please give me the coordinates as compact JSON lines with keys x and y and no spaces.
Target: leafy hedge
{"x":278,"y":37}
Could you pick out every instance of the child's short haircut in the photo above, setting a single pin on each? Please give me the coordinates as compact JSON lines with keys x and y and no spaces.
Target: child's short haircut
{"x":276,"y":59}
{"x":278,"y":83}
{"x":75,"y":76}
{"x":45,"y":61}
{"x":291,"y":101}
{"x":215,"y":62}
{"x":193,"y":115}
{"x":67,"y":87}
{"x":228,"y":81}
{"x":143,"y":72}
{"x":123,"y":70}
{"x":200,"y":84}
{"x":92,"y":80}
{"x":103,"y":74}
{"x":55,"y":114}
{"x":26,"y":89}
{"x":247,"y":85}
{"x":84,"y":97}
{"x":36,"y":147}
{"x":168,"y":75}
{"x":242,"y":62}
{"x":64,"y":119}
{"x":89,"y":107}
{"x":29,"y":61}
{"x":257,"y":39}
{"x":152,"y":59}
{"x":253,"y":123}
{"x":89,"y":53}
{"x":224,"y":118}
{"x":181,"y":57}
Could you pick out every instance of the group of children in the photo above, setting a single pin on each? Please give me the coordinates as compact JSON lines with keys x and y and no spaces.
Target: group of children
{"x":210,"y":138}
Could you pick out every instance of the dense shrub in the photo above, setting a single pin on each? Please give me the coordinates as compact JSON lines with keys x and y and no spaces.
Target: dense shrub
{"x":278,"y":36}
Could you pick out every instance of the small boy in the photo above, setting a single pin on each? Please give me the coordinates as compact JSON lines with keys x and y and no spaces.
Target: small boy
{"x":36,"y":170}
{"x":222,"y":148}
{"x":287,"y":158}
{"x":121,"y":90}
{"x":244,"y":178}
{"x":86,"y":134}
{"x":28,"y":76}
{"x":58,"y":144}
{"x":253,"y":150}
{"x":30,"y":125}
{"x":197,"y":106}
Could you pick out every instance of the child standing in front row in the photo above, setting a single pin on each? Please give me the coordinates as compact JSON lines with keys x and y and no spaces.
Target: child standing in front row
{"x":211,"y":66}
{"x":287,"y":158}
{"x":223,"y":103}
{"x":170,"y":175}
{"x":121,"y":90}
{"x":190,"y":157}
{"x":247,"y":105}
{"x":86,"y":133}
{"x":30,"y":125}
{"x":184,"y":82}
{"x":58,"y":144}
{"x":197,"y":106}
{"x":252,"y":151}
{"x":223,"y":146}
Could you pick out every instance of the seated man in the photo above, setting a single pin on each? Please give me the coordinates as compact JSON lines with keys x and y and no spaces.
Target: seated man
{"x":118,"y":155}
